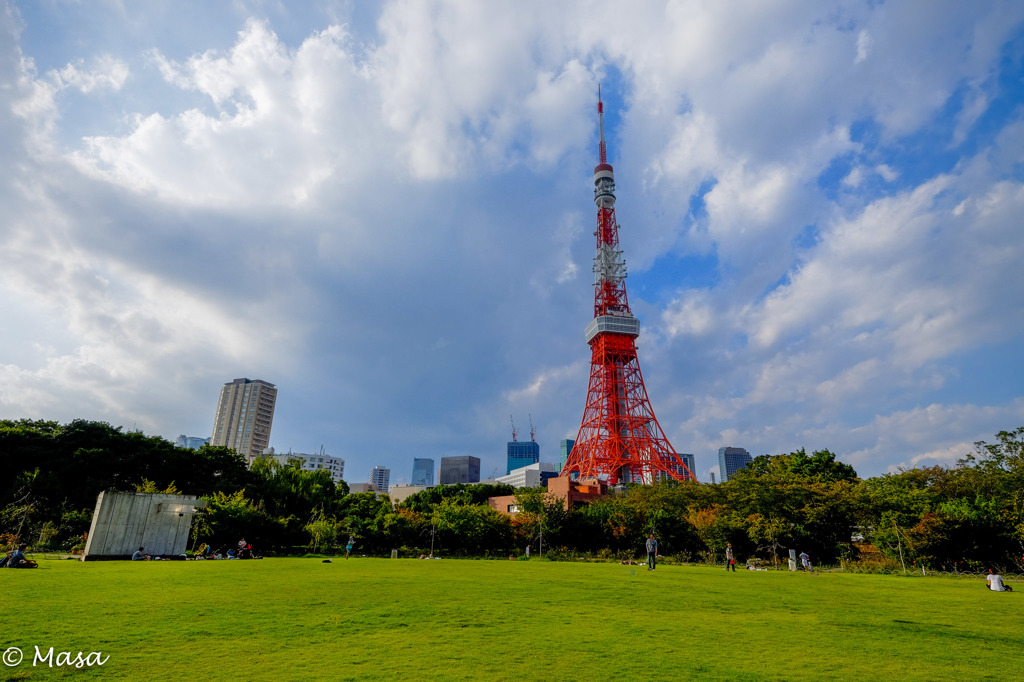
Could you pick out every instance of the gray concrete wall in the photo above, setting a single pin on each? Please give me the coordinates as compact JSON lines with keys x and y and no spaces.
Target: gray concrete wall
{"x":123,"y":522}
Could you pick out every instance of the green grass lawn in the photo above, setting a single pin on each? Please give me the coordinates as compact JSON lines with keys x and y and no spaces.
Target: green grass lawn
{"x":300,"y":619}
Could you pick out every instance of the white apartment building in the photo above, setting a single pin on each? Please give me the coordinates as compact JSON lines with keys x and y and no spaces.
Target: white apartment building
{"x":380,"y":477}
{"x":334,"y":465}
{"x":530,"y":476}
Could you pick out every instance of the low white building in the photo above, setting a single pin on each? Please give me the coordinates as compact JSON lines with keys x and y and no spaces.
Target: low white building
{"x":335,"y":465}
{"x":398,"y":492}
{"x":530,"y":476}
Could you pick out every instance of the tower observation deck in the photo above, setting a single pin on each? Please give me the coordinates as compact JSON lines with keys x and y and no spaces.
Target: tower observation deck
{"x":620,"y":439}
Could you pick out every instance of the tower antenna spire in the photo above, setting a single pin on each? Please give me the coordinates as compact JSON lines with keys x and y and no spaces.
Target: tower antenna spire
{"x":602,"y":150}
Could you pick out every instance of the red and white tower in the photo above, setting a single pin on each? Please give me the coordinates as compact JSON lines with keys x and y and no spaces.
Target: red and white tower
{"x":620,"y":440}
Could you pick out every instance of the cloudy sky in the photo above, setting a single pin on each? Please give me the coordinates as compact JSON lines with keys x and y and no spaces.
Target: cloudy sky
{"x":386,"y":210}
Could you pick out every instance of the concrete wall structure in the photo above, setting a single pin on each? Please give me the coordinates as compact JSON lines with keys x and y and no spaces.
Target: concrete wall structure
{"x":123,"y":522}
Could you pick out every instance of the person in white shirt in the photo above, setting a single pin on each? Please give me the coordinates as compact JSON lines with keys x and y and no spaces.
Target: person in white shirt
{"x":995,"y":582}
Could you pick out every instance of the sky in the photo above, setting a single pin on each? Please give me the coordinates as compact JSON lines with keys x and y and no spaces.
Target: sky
{"x":386,"y":210}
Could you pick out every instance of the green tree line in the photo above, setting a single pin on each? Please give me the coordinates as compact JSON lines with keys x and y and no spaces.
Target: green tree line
{"x":964,"y":517}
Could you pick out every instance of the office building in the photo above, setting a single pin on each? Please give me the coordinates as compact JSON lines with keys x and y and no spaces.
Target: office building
{"x":423,"y":471}
{"x":522,"y":453}
{"x":245,"y":414}
{"x":191,"y":442}
{"x":459,"y":470}
{"x":530,"y":476}
{"x":690,"y":461}
{"x":564,"y":449}
{"x":731,"y":460}
{"x":380,"y":478}
{"x":334,"y":465}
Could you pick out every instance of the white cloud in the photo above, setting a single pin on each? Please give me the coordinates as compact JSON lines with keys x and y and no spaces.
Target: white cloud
{"x":405,"y":206}
{"x":863,"y":46}
{"x":109,"y":73}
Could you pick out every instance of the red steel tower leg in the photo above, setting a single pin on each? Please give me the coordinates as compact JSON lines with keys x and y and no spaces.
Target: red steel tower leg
{"x":620,"y":439}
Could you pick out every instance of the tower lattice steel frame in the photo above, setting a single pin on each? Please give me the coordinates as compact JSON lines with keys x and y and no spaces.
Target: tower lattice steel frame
{"x":620,"y":439}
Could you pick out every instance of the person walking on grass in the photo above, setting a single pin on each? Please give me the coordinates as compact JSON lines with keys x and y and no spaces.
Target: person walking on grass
{"x":652,"y":552}
{"x":350,"y":545}
{"x":730,"y":560}
{"x":805,"y":560}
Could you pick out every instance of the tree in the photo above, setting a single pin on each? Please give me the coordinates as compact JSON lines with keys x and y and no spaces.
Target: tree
{"x":471,"y":528}
{"x":230,"y":517}
{"x":541,"y":518}
{"x":822,"y":465}
{"x":320,"y":529}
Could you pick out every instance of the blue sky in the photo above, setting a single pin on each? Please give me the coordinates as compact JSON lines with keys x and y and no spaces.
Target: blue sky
{"x":386,"y":210}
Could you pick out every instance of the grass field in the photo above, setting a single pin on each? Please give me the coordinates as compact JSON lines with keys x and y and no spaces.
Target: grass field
{"x":301,"y":619}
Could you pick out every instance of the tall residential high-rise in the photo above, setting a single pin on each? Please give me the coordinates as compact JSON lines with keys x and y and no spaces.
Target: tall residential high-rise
{"x":423,"y":471}
{"x":620,"y":439}
{"x":564,"y":449}
{"x":521,"y":453}
{"x":459,"y":470}
{"x":245,"y":413}
{"x":380,"y":477}
{"x":731,"y":460}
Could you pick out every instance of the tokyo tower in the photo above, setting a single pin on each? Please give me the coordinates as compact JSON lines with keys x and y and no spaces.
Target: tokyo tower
{"x":620,"y":440}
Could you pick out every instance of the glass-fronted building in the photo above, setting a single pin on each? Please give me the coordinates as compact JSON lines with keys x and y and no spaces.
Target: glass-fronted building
{"x":731,"y":460}
{"x":423,"y":471}
{"x":564,"y":449}
{"x":459,"y":470}
{"x":522,"y":453}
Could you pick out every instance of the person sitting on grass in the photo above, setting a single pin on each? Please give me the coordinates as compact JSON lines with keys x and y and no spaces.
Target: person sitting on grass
{"x":18,"y":559}
{"x":140,"y":555}
{"x":994,"y":582}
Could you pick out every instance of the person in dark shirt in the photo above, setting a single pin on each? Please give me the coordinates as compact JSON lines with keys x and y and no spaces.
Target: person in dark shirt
{"x":652,"y":552}
{"x":18,"y":559}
